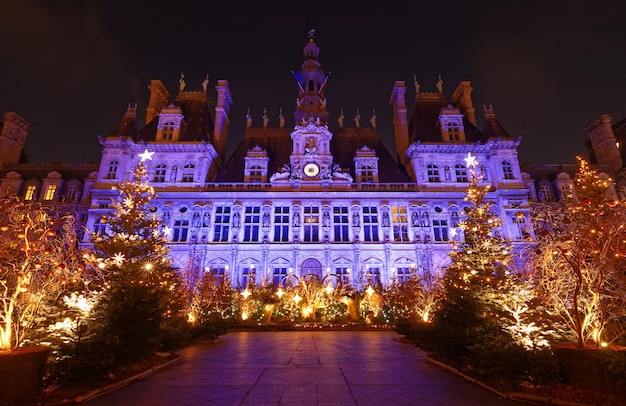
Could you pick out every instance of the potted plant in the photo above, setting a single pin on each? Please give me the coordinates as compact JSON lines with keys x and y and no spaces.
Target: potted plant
{"x":39,"y":259}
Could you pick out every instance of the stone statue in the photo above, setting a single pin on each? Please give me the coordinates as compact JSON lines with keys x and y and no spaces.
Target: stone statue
{"x":266,"y":119}
{"x":181,"y":82}
{"x":325,"y":219}
{"x":440,"y":85}
{"x":248,"y":119}
{"x":373,"y":119}
{"x":340,"y":119}
{"x":417,"y":85}
{"x":356,"y":220}
{"x":296,"y":219}
{"x":236,"y":220}
{"x":357,"y":119}
{"x":281,"y":119}
{"x":205,"y":82}
{"x":385,"y":219}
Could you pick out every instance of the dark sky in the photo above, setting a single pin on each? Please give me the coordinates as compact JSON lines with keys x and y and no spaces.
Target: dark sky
{"x":547,"y":67}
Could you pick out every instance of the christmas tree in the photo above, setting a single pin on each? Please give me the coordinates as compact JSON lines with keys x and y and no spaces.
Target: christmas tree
{"x":477,"y":277}
{"x":140,"y":307}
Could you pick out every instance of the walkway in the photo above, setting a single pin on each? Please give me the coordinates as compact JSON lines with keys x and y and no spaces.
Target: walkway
{"x":303,"y":368}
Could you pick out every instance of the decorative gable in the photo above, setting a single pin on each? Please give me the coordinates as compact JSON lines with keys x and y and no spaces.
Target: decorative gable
{"x":170,"y":122}
{"x":366,"y":165}
{"x":256,"y":163}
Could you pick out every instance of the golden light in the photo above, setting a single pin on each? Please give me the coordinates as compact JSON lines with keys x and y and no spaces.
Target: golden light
{"x":370,"y":291}
{"x":246,"y":293}
{"x":329,"y":289}
{"x":307,"y":311}
{"x":148,"y":266}
{"x":280,"y":292}
{"x":297,"y":298}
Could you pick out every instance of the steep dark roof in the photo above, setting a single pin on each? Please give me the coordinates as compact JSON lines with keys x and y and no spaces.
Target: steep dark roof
{"x":197,"y":123}
{"x":492,"y":127}
{"x":344,"y":144}
{"x":41,"y":171}
{"x":127,"y":127}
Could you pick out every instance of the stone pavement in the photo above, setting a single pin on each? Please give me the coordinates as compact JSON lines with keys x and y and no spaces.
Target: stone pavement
{"x":303,"y":368}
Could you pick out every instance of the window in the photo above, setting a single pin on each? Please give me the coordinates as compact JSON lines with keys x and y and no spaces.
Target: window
{"x":159,"y":173}
{"x":400,"y":224}
{"x":167,"y":131}
{"x":72,"y":192}
{"x":247,"y":275}
{"x":343,"y":273}
{"x":218,"y":271}
{"x":99,"y":226}
{"x":30,"y":192}
{"x":519,"y":229}
{"x":221,"y":223}
{"x":546,"y":193}
{"x":507,"y":170}
{"x":340,"y":222}
{"x":181,"y":228}
{"x":454,"y":133}
{"x":566,"y":191}
{"x":433,"y":173}
{"x":403,"y":273}
{"x":112,"y":169}
{"x":367,"y":174}
{"x":188,"y":173}
{"x":279,"y":275}
{"x":373,"y":275}
{"x":256,"y":174}
{"x":252,"y":223}
{"x":370,"y":223}
{"x":51,"y":190}
{"x":440,"y":229}
{"x":311,"y":223}
{"x":460,"y":171}
{"x":281,"y":223}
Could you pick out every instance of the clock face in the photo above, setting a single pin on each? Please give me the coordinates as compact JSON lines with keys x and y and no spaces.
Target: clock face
{"x":311,"y":170}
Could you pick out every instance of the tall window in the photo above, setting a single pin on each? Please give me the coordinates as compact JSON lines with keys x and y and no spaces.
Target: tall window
{"x":340,"y":222}
{"x":373,"y":275}
{"x":99,"y":226}
{"x":181,"y":228}
{"x":343,"y":272}
{"x":460,"y":171}
{"x":367,"y":174}
{"x":311,"y":223}
{"x":30,"y":192}
{"x":370,"y":223}
{"x":433,"y":173}
{"x":218,"y":271}
{"x":51,"y":190}
{"x":112,"y":169}
{"x":247,"y":275}
{"x":400,"y":223}
{"x":188,"y":173}
{"x":221,"y":224}
{"x":159,"y":173}
{"x":279,"y":274}
{"x":440,"y":229}
{"x":403,"y":273}
{"x":454,"y":133}
{"x":256,"y":174}
{"x":252,"y":223}
{"x":507,"y":170}
{"x":546,"y":193}
{"x":167,"y":132}
{"x":72,"y":192}
{"x":281,"y":223}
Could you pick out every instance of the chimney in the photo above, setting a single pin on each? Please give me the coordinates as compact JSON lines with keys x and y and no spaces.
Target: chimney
{"x":462,"y":97}
{"x":400,"y":122}
{"x":159,"y":98}
{"x":222,"y":107}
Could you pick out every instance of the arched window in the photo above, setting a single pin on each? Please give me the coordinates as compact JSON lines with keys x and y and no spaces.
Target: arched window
{"x":188,"y":173}
{"x":460,"y":171}
{"x":433,"y":173}
{"x":112,"y":169}
{"x":159,"y":173}
{"x":507,"y":170}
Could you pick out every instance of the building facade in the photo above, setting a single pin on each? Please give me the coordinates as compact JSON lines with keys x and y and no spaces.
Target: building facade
{"x":309,"y":198}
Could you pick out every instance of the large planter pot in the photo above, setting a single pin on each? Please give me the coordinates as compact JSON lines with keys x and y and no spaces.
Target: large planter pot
{"x":21,"y":371}
{"x":586,"y":368}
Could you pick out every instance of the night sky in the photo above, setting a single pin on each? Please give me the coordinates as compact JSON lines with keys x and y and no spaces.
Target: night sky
{"x":548,"y":67}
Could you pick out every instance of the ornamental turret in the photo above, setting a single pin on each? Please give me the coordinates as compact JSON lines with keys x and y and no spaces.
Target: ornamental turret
{"x":311,"y":83}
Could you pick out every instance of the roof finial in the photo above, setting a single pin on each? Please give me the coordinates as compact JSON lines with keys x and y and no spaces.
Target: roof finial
{"x":181,"y":82}
{"x":248,"y":119}
{"x":416,"y":84}
{"x":205,"y":82}
{"x":311,"y":34}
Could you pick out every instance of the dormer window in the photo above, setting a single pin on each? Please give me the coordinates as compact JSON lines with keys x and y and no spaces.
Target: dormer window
{"x":170,"y":122}
{"x":451,"y":124}
{"x":256,"y":162}
{"x":167,"y":131}
{"x":256,"y":174}
{"x":51,"y":191}
{"x":366,"y":165}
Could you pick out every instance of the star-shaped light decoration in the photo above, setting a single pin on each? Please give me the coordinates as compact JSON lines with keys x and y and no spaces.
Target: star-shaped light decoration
{"x":128,"y":202}
{"x":146,"y":155}
{"x":167,"y":231}
{"x":453,"y":233}
{"x":471,"y":160}
{"x":119,"y":258}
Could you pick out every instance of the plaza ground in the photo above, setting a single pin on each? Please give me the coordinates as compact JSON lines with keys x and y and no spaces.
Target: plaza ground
{"x":303,"y":368}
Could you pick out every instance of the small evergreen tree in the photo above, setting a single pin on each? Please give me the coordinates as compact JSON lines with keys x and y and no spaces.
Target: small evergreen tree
{"x":140,"y":308}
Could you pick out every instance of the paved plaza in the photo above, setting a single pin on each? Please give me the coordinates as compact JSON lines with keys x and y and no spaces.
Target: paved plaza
{"x":303,"y":368}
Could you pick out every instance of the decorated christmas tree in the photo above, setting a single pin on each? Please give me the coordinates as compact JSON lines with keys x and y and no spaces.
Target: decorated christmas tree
{"x":478,"y":276}
{"x":140,"y":307}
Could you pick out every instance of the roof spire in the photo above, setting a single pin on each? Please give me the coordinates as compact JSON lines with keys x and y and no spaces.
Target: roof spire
{"x":311,"y":33}
{"x":181,"y":82}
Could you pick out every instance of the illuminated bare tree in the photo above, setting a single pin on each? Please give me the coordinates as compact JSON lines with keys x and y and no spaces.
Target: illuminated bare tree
{"x":580,"y":263}
{"x":39,"y":260}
